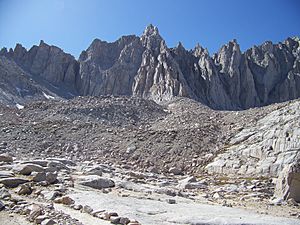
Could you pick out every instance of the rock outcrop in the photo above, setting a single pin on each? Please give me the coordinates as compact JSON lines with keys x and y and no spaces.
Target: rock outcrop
{"x":145,"y":67}
{"x":288,"y":183}
{"x":264,"y":148}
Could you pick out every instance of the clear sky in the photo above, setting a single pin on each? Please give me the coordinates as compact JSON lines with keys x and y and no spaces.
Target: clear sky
{"x":73,"y":24}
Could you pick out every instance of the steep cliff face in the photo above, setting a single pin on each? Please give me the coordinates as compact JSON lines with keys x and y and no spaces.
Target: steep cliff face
{"x":109,"y":68}
{"x":145,"y":67}
{"x":159,"y":76}
{"x":47,"y":62}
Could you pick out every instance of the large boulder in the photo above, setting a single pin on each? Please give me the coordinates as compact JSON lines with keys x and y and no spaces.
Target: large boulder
{"x":288,"y":183}
{"x":6,"y":158}
{"x":96,"y":182}
{"x":12,"y":182}
{"x":27,"y":169}
{"x":43,"y":176}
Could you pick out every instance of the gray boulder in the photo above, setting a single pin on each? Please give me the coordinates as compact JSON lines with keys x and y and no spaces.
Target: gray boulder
{"x":6,"y":158}
{"x":96,"y":182}
{"x":27,"y":169}
{"x":288,"y":183}
{"x":12,"y":182}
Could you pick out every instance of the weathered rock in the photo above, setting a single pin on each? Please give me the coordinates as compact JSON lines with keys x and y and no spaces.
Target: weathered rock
{"x":115,"y":219}
{"x":13,"y":182}
{"x":94,"y":171}
{"x":24,"y":189}
{"x":134,"y":223}
{"x":2,"y":206}
{"x":171,"y":201}
{"x":4,"y":193}
{"x":51,"y":177}
{"x":77,"y":207}
{"x":6,"y":158}
{"x":63,"y":161}
{"x":124,"y":220}
{"x":40,"y":219}
{"x":87,"y":209}
{"x":97,"y":182}
{"x":48,"y":222}
{"x":56,"y":166}
{"x":175,"y":171}
{"x":107,"y":215}
{"x":39,"y":177}
{"x":191,"y":183}
{"x":27,"y":169}
{"x":35,"y":211}
{"x":5,"y":174}
{"x":66,"y":200}
{"x":288,"y":183}
{"x":264,"y":148}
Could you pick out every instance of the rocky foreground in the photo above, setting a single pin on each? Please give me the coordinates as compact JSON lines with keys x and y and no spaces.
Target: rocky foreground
{"x":122,"y":160}
{"x":59,"y":191}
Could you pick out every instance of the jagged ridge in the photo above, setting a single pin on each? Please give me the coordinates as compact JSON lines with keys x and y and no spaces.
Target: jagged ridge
{"x":145,"y":67}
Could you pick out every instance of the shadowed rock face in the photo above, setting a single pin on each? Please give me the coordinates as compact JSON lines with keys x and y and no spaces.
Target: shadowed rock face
{"x":145,"y":67}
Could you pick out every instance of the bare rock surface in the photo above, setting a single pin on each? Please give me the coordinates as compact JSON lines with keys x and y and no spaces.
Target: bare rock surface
{"x":288,"y":183}
{"x":146,"y":67}
{"x":263,"y":148}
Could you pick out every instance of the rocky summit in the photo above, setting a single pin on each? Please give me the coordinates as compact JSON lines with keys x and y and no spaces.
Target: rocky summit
{"x":145,"y":67}
{"x":136,"y":133}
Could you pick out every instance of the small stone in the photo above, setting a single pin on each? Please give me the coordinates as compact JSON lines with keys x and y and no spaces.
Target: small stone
{"x":175,"y":171}
{"x":115,"y":219}
{"x":24,"y":189}
{"x":124,"y":220}
{"x":134,"y":223}
{"x":94,"y":171}
{"x":65,"y":200}
{"x":2,"y":206}
{"x":53,"y":166}
{"x":130,"y":149}
{"x":217,"y":195}
{"x":35,"y":211}
{"x":4,"y":193}
{"x":107,"y":215}
{"x":153,"y":169}
{"x":40,"y":219}
{"x":292,"y":202}
{"x":276,"y":201}
{"x":77,"y":207}
{"x":171,"y":201}
{"x":5,"y":174}
{"x":6,"y":158}
{"x":87,"y":209}
{"x":48,"y":222}
{"x":51,"y":177}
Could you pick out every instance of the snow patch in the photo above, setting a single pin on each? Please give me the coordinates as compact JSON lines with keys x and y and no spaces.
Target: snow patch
{"x":19,"y":106}
{"x":48,"y":96}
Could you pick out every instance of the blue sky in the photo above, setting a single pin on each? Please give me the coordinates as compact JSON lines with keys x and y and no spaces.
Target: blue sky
{"x":73,"y":24}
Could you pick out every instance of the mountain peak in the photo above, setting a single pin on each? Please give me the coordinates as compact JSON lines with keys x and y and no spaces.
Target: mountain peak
{"x":151,"y":30}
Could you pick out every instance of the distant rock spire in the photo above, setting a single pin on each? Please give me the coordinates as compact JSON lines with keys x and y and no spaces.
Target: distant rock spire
{"x":151,"y":30}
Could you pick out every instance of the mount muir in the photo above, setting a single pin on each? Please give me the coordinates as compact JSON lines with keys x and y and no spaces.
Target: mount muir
{"x":134,"y":132}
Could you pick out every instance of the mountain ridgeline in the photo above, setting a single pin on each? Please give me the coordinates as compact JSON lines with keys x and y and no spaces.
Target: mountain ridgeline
{"x":145,"y":67}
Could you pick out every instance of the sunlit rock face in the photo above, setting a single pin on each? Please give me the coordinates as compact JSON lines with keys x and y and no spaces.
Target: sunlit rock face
{"x":145,"y":67}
